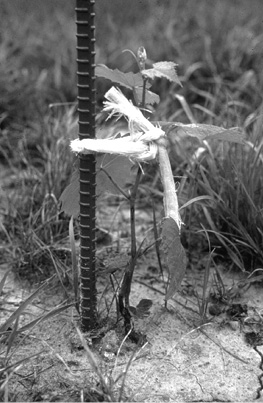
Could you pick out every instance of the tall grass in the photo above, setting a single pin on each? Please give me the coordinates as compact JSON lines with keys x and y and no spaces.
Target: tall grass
{"x":234,"y":178}
{"x":33,"y":230}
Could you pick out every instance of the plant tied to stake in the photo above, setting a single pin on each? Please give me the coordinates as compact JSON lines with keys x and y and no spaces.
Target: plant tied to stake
{"x":146,"y":141}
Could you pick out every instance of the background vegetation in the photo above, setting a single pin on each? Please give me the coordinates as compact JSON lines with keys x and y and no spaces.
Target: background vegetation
{"x":218,"y":47}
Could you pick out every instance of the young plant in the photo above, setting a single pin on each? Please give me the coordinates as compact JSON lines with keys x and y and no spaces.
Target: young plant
{"x":146,"y":141}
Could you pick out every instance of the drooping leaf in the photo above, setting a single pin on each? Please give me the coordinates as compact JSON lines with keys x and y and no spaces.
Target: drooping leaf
{"x":174,"y":255}
{"x":163,"y":70}
{"x":203,"y":132}
{"x":128,"y":80}
{"x":142,"y":310}
{"x":118,"y":167}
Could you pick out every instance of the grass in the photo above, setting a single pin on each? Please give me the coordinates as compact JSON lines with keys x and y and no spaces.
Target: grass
{"x":220,"y":68}
{"x":33,"y":229}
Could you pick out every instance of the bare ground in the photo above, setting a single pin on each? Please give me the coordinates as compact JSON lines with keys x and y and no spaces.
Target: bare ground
{"x":181,"y":358}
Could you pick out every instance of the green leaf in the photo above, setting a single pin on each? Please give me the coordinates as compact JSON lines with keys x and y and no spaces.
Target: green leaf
{"x":203,"y":132}
{"x":69,"y":198}
{"x":150,"y":97}
{"x":118,"y":167}
{"x":174,"y":255}
{"x":142,"y":310}
{"x":163,"y":70}
{"x":128,"y":80}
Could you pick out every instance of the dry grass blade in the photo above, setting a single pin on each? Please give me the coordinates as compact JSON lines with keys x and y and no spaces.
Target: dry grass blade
{"x":12,"y":337}
{"x":18,"y":363}
{"x":105,"y":387}
{"x":194,"y":200}
{"x":21,"y":308}
{"x":231,"y":248}
{"x":48,"y":315}
{"x":2,"y":282}
{"x":125,"y":373}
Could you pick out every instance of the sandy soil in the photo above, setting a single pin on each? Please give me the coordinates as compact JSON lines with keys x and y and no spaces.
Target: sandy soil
{"x":180,"y":360}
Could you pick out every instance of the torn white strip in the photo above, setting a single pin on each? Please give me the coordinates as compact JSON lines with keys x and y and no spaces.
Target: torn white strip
{"x":118,"y":104}
{"x":137,"y":150}
{"x":170,"y":200}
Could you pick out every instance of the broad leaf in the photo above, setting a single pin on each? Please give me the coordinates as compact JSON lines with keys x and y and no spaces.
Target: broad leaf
{"x":128,"y":80}
{"x":69,"y":198}
{"x":118,"y":167}
{"x":203,"y":132}
{"x":174,"y":255}
{"x":142,"y":310}
{"x":163,"y":70}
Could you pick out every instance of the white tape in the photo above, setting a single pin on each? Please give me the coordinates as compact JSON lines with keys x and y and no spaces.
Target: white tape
{"x":118,"y":104}
{"x":138,"y":146}
{"x":136,"y":150}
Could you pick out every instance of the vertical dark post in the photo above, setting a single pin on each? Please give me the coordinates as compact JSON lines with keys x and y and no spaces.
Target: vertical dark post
{"x":87,"y":169}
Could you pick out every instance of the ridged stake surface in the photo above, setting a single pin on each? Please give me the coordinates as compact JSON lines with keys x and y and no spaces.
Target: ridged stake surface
{"x":87,"y":163}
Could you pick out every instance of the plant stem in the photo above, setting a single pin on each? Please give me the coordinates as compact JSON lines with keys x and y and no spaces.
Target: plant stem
{"x":127,"y":279}
{"x":127,"y":197}
{"x":144,"y":92}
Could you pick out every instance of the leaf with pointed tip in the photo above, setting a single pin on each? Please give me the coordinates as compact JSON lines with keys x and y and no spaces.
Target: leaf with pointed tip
{"x":203,"y":132}
{"x":118,"y":167}
{"x":174,"y":255}
{"x":128,"y":80}
{"x":163,"y":70}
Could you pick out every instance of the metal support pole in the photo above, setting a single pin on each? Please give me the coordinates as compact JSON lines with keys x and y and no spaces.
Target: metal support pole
{"x":87,"y":163}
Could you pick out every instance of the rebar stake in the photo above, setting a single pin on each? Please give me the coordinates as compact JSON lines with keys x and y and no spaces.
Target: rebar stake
{"x":87,"y":163}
